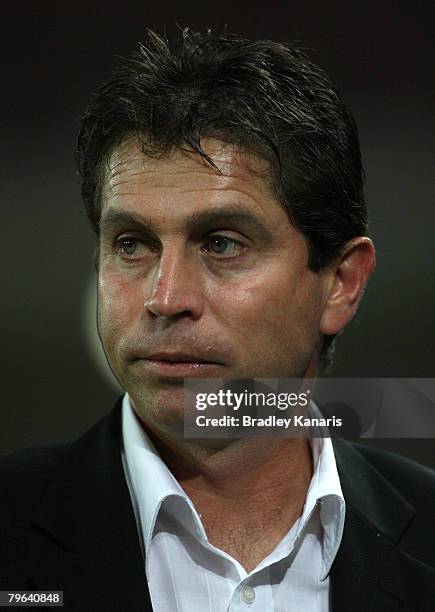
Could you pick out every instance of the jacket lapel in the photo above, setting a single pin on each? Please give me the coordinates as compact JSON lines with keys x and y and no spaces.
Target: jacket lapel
{"x":370,"y":572}
{"x":86,"y":526}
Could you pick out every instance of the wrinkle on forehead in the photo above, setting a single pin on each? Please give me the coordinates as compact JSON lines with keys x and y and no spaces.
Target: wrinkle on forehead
{"x":128,"y":165}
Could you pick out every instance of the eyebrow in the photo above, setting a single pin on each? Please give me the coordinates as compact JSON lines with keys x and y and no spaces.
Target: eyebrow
{"x":198,"y":221}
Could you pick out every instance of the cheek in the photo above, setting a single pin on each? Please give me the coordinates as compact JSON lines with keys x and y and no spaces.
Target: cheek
{"x":266,"y":309}
{"x":118,"y":304}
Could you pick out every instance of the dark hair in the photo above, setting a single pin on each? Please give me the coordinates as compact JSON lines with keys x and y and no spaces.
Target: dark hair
{"x":266,"y":97}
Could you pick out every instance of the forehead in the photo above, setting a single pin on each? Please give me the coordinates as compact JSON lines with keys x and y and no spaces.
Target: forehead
{"x":132,"y":178}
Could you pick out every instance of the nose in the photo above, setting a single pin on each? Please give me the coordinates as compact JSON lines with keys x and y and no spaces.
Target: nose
{"x":175,"y":287}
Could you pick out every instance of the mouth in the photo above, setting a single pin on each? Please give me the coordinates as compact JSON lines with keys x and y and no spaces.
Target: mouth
{"x":179,"y":358}
{"x":181,"y":365}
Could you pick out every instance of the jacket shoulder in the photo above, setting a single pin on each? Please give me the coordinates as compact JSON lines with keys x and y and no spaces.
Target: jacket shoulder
{"x":24,"y":476}
{"x":32,"y":461}
{"x":416,"y":484}
{"x":415,"y":481}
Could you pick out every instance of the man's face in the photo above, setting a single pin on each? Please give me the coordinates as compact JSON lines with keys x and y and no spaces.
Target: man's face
{"x":201,"y":274}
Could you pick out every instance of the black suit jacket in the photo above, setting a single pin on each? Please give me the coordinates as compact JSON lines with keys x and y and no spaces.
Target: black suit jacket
{"x":67,"y":523}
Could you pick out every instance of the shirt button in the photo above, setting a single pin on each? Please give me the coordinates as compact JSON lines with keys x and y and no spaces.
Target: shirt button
{"x":247,"y":594}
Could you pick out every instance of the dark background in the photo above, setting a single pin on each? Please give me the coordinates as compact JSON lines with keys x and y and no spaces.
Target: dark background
{"x":380,"y":55}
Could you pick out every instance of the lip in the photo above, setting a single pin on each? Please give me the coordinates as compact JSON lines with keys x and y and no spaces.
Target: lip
{"x":180,"y":369}
{"x":180,"y":364}
{"x":179,"y":357}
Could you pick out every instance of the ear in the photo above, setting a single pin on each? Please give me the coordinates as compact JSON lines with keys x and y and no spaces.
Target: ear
{"x":356,"y":264}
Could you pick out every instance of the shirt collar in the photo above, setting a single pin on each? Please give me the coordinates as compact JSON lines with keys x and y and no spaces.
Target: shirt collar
{"x":143,"y":464}
{"x":149,"y":479}
{"x":326,"y":493}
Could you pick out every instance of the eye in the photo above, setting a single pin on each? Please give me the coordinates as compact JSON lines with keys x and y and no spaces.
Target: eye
{"x":129,"y":247}
{"x":224,"y":246}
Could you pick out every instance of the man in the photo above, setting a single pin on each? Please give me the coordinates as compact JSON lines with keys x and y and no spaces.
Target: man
{"x":224,"y":183}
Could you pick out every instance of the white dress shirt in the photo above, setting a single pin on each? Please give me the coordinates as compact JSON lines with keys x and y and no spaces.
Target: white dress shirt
{"x":186,"y":573}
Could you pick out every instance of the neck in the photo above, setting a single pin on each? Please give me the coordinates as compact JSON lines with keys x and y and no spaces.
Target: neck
{"x":248,"y":494}
{"x":246,"y":477}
